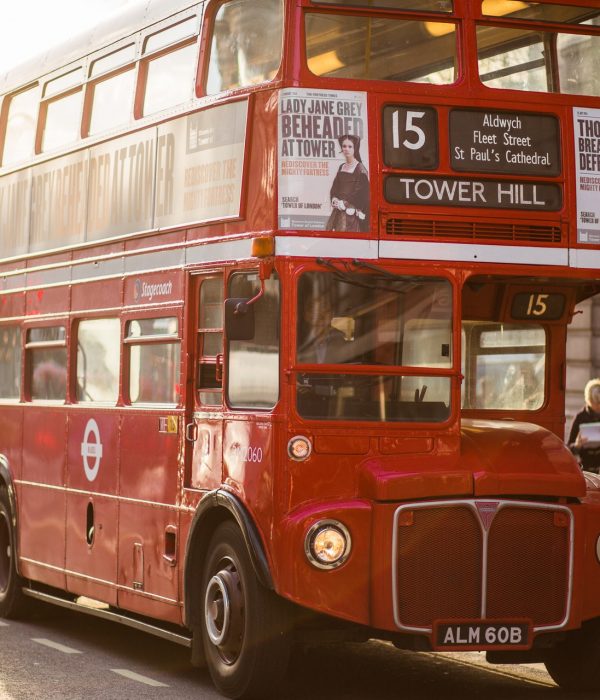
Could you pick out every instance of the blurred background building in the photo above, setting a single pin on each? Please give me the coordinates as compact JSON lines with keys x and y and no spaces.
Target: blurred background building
{"x":583,"y":354}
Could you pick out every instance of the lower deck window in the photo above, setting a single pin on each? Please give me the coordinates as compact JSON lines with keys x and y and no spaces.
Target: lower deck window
{"x":10,"y":362}
{"x":154,"y":361}
{"x":98,"y":349}
{"x":47,"y":363}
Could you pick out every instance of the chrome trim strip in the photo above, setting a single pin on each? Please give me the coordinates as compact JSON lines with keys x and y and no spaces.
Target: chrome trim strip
{"x":584,"y":258}
{"x":318,"y":246}
{"x":472,"y":504}
{"x":484,"y":568}
{"x":239,"y":249}
{"x":93,"y":579}
{"x":120,"y":617}
{"x":474,"y":252}
{"x":98,"y":494}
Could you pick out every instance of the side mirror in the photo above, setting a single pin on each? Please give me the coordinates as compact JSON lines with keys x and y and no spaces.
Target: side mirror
{"x":239,"y":319}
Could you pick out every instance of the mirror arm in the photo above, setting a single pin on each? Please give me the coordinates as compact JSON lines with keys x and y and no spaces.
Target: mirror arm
{"x":265,"y":271}
{"x":253,"y":300}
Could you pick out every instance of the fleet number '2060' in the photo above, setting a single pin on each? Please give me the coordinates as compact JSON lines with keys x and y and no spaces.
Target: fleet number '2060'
{"x":479,"y":635}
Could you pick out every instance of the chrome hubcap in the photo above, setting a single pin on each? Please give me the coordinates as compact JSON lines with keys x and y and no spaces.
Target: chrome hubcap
{"x":217,"y":609}
{"x":224,"y":611}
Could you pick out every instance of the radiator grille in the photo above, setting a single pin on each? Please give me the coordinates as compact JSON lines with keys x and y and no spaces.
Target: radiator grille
{"x":443,"y":579}
{"x":471,"y":230}
{"x":527,"y":546}
{"x":440,"y":553}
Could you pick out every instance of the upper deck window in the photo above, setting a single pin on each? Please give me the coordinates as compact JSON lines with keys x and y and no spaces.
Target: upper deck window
{"x":541,"y":61}
{"x":376,"y":48}
{"x":537,"y":12}
{"x":114,"y":60}
{"x":61,"y":121}
{"x":171,"y":35}
{"x":20,"y":126}
{"x":63,"y":83}
{"x":112,"y":101}
{"x":246,"y":44}
{"x":60,"y":114}
{"x":415,"y":5}
{"x":169,"y":75}
{"x":170,"y":79}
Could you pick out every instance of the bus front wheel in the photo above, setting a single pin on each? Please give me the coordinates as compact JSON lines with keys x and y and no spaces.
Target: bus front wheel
{"x":575,"y":663}
{"x":245,"y":634}
{"x":12,"y":600}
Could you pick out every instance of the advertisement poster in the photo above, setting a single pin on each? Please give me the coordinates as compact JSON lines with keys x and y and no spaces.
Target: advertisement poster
{"x":323,"y":160}
{"x":586,"y":123}
{"x":200,"y":166}
{"x":186,"y":171}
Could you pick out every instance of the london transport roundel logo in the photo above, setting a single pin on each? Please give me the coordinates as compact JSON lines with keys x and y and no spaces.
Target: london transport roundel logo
{"x":91,"y":450}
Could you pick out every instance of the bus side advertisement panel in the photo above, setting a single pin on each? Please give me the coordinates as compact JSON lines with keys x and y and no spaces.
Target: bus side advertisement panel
{"x":311,"y":126}
{"x":586,"y":124}
{"x":200,"y":164}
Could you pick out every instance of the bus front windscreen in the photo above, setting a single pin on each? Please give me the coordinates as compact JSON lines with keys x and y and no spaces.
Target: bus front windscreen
{"x":393,"y":333}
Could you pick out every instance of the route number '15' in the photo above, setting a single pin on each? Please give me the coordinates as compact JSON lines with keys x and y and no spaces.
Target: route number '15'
{"x":537,"y":304}
{"x":410,"y":137}
{"x":549,"y":306}
{"x":411,"y":117}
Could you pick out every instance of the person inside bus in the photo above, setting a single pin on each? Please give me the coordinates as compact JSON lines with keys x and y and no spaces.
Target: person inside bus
{"x":318,"y":340}
{"x":588,"y":455}
{"x":350,"y":190}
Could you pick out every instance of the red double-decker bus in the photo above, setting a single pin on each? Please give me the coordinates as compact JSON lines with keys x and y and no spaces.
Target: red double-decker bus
{"x":284,"y":296}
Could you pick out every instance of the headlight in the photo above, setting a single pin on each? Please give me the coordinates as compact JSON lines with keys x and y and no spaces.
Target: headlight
{"x":299,"y":448}
{"x":327,"y":544}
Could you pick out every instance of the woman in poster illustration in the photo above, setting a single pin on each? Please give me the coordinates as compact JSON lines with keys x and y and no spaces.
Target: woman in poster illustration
{"x":350,"y":190}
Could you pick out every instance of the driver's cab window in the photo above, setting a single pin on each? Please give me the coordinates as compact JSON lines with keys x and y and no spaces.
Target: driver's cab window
{"x":504,"y":366}
{"x":253,"y":363}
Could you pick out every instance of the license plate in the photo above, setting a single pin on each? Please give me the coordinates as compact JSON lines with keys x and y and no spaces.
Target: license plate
{"x":482,"y":635}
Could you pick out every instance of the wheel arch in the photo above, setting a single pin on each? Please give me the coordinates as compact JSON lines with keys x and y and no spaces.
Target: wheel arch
{"x":217,"y":507}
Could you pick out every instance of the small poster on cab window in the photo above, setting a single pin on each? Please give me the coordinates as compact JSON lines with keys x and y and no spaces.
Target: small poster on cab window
{"x":323,"y":160}
{"x":590,"y":432}
{"x":586,"y":123}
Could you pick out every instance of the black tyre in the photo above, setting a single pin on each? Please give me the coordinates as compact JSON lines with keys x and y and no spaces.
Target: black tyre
{"x":12,"y":600}
{"x":575,"y":663}
{"x":245,"y":627}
